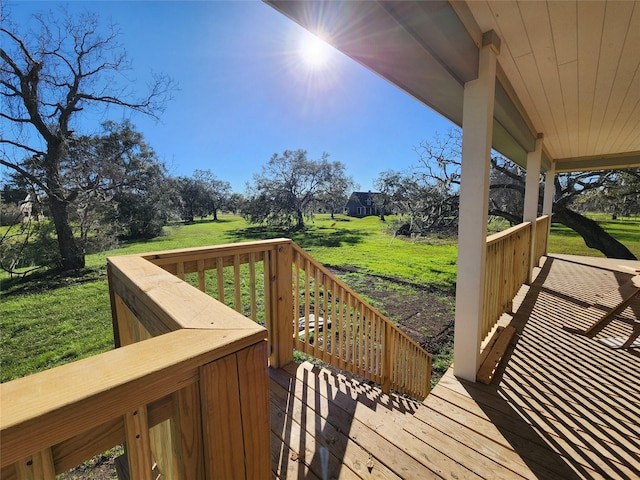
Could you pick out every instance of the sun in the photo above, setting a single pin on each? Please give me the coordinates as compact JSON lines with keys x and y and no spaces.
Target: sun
{"x":314,"y":52}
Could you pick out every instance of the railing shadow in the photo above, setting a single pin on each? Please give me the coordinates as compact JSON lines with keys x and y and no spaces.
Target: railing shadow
{"x":574,"y":400}
{"x":313,"y":416}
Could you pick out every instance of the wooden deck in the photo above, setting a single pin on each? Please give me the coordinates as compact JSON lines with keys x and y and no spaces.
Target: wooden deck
{"x":560,"y":406}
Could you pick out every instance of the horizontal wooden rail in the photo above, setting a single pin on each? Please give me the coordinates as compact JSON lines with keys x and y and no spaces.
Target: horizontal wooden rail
{"x":507,"y":268}
{"x":53,"y":420}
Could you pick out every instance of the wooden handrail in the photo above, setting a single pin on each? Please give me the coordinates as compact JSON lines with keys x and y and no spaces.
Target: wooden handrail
{"x":53,"y":420}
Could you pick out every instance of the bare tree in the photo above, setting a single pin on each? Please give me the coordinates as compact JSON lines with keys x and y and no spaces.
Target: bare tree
{"x":429,"y":193}
{"x":290,"y":187}
{"x":217,"y":192}
{"x":48,"y":78}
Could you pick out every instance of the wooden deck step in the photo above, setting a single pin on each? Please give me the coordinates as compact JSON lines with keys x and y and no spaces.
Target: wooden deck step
{"x":374,"y":445}
{"x":496,"y":349}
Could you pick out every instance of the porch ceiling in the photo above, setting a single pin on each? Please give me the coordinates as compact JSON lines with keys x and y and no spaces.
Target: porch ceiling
{"x":567,"y":69}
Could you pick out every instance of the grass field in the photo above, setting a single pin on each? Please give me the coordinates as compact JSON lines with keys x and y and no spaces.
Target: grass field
{"x":625,"y":230}
{"x":54,"y":320}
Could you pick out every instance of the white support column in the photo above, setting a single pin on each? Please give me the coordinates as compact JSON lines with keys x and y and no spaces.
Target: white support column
{"x":532,"y":196}
{"x":549,"y":196}
{"x":549,"y":190}
{"x":532,"y":185}
{"x":477,"y":127}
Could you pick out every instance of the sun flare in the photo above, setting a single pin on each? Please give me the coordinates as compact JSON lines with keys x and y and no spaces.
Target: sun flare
{"x":313,"y":52}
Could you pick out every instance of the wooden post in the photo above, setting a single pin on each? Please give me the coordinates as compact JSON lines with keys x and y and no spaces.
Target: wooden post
{"x":234,"y":403}
{"x":255,"y":410}
{"x":187,"y":432}
{"x":283,"y":317}
{"x":138,"y":443}
{"x":221,"y":419}
{"x":38,"y":466}
{"x":477,"y":126}
{"x":114,"y":314}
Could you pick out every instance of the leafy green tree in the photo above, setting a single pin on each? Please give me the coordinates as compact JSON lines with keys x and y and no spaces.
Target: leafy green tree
{"x":335,"y":196}
{"x":291,"y":187}
{"x":216,"y":194}
{"x":234,"y":203}
{"x":49,"y":78}
{"x":193,"y":198}
{"x":116,"y":183}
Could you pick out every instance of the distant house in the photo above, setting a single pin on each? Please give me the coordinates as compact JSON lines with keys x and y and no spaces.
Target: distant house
{"x":363,"y":204}
{"x":26,"y":208}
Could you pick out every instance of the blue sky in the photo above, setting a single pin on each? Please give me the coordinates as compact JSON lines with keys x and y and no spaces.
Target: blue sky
{"x":246,"y":92}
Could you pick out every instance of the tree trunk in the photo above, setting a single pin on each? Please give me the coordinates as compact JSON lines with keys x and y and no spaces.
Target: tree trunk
{"x":72,"y":257}
{"x":594,"y":236}
{"x":215,"y":214}
{"x":300,"y":220}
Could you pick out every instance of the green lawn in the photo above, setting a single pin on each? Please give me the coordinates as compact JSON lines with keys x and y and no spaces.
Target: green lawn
{"x":51,"y":321}
{"x":625,"y":230}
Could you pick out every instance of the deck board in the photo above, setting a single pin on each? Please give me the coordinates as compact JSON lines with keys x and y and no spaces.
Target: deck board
{"x":561,"y":405}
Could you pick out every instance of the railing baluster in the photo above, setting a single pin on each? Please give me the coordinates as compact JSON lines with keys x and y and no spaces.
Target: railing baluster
{"x":327,"y":317}
{"x":237,"y":284}
{"x":252,"y":286}
{"x":352,"y":330}
{"x":296,"y":302}
{"x":366,"y":340}
{"x":317,"y":309}
{"x":269,"y":300}
{"x":307,"y":302}
{"x":341,"y":327}
{"x":188,"y":432}
{"x":220,"y":277}
{"x":180,"y":270}
{"x":201,"y":282}
{"x":38,"y":466}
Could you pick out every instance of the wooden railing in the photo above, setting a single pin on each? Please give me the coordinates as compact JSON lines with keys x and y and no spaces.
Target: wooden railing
{"x":182,"y":382}
{"x":192,"y":399}
{"x":337,"y":326}
{"x":507,"y":268}
{"x":304,"y":306}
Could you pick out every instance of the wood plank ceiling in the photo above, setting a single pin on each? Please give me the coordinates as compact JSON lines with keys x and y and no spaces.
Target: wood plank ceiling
{"x":575,"y":67}
{"x":568,"y":69}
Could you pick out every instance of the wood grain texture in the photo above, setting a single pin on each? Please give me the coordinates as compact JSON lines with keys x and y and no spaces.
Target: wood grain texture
{"x":77,"y":400}
{"x":138,"y":443}
{"x":222,"y":419}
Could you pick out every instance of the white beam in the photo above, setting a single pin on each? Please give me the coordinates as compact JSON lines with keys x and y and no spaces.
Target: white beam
{"x":532,"y":197}
{"x":549,"y":190}
{"x":532,"y":184}
{"x":549,"y":197}
{"x":477,"y":128}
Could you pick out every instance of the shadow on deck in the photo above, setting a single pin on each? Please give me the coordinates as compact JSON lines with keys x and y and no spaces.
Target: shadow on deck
{"x":561,"y":406}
